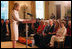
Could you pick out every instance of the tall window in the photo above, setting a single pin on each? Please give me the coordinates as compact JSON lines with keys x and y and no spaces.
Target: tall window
{"x":40,"y":9}
{"x":4,"y":10}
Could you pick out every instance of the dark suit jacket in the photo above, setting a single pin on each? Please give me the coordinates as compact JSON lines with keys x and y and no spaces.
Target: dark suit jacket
{"x":8,"y":28}
{"x":36,"y":25}
{"x":3,"y":30}
{"x":52,"y":17}
{"x":49,"y":29}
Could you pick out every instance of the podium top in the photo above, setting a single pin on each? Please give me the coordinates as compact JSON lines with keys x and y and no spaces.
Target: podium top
{"x":31,"y":21}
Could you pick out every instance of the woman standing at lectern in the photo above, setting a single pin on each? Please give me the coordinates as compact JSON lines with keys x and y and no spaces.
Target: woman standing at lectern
{"x":14,"y":23}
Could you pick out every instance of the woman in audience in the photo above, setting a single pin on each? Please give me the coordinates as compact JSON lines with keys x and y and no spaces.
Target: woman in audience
{"x":42,"y":42}
{"x":69,"y":28}
{"x":3,"y":30}
{"x":59,"y":20}
{"x":41,"y":27}
{"x":60,"y":35}
{"x":46,"y":25}
{"x":68,"y":36}
{"x":57,"y":26}
{"x":39,"y":32}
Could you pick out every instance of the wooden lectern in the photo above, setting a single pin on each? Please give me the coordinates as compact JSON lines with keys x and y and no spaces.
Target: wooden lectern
{"x":31,"y":21}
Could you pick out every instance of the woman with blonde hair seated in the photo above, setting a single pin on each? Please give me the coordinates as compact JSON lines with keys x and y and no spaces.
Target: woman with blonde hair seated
{"x":38,"y":35}
{"x":60,"y":35}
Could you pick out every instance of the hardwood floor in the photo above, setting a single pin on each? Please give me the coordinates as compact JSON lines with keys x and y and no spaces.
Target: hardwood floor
{"x":18,"y":45}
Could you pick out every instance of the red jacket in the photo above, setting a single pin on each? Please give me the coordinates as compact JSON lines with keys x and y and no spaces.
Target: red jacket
{"x":69,"y":31}
{"x":40,"y":28}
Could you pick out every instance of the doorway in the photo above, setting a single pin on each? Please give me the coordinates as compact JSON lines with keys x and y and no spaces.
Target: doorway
{"x":58,"y":11}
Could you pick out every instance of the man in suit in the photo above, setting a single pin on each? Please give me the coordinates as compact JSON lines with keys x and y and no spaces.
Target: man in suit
{"x":52,"y":16}
{"x":3,"y":30}
{"x":48,"y":32}
{"x":36,"y":25}
{"x":8,"y":30}
{"x":7,"y":23}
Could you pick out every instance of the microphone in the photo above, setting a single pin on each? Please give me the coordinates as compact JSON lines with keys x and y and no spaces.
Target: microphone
{"x":29,"y":14}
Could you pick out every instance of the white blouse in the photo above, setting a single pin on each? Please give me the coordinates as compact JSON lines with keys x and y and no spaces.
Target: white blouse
{"x":15,"y":16}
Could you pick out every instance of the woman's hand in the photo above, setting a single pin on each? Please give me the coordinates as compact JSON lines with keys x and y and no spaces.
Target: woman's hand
{"x":26,"y":20}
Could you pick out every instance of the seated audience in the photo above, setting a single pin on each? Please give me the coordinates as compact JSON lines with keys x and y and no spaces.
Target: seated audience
{"x":69,"y":29}
{"x":3,"y":30}
{"x":68,"y":36}
{"x":41,"y":27}
{"x":30,"y":29}
{"x":8,"y":31}
{"x":42,"y":42}
{"x":50,"y":28}
{"x":36,"y":25}
{"x":39,"y":32}
{"x":52,"y":16}
{"x":57,"y":26}
{"x":67,"y":18}
{"x":47,"y":33}
{"x":59,"y":20}
{"x":46,"y":26}
{"x":60,"y":35}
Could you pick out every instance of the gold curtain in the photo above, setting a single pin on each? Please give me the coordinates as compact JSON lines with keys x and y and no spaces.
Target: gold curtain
{"x":33,"y":9}
{"x":46,"y":10}
{"x":11,"y":3}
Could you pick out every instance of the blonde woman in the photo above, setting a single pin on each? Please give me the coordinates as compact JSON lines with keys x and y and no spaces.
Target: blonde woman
{"x":60,"y":35}
{"x":14,"y":23}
